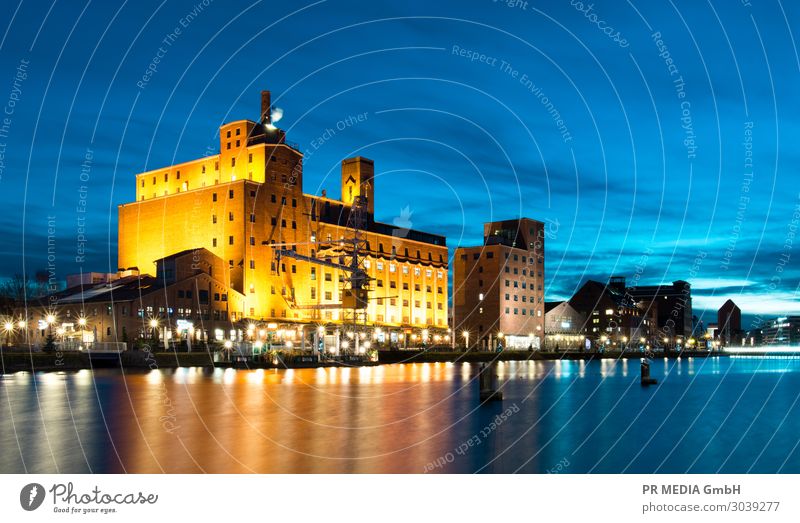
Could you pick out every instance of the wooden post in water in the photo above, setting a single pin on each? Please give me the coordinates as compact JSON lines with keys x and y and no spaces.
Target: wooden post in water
{"x":645,"y":371}
{"x":487,"y":379}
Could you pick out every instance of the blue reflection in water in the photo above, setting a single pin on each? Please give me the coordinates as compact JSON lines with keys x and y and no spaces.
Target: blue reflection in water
{"x":705,"y":415}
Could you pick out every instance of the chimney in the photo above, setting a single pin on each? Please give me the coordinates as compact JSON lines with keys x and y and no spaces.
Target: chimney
{"x":266,"y":113}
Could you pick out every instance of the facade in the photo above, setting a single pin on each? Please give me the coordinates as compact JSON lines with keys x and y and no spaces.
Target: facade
{"x":729,"y":321}
{"x":564,"y":327}
{"x":781,"y":331}
{"x":613,"y":318}
{"x":673,"y":304}
{"x":247,"y":202}
{"x":498,"y":287}
{"x":132,"y":306}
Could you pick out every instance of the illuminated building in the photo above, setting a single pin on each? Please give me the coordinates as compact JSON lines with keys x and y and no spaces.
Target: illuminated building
{"x":498,"y":287}
{"x":564,"y":327}
{"x":613,"y":317}
{"x":673,"y":304}
{"x":247,"y":201}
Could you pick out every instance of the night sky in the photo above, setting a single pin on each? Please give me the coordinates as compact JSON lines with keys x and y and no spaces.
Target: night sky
{"x":657,"y":139}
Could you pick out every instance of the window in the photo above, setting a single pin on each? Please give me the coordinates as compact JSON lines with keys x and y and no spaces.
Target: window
{"x":230,"y":216}
{"x":230,"y":194}
{"x":252,"y":264}
{"x":230,"y":240}
{"x":250,"y":158}
{"x":213,"y":218}
{"x":213,"y":197}
{"x":214,"y":242}
{"x":252,"y":240}
{"x":233,"y":162}
{"x":252,"y":218}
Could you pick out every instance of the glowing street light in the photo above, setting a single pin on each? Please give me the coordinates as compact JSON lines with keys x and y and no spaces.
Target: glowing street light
{"x":466,"y":339}
{"x":50,"y":319}
{"x":82,"y":322}
{"x":9,"y":328}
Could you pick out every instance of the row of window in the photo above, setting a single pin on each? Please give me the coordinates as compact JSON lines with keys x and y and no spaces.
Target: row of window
{"x":490,"y":255}
{"x":534,"y":299}
{"x":523,"y":312}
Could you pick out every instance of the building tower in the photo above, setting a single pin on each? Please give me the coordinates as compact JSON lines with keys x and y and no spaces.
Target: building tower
{"x":357,"y":180}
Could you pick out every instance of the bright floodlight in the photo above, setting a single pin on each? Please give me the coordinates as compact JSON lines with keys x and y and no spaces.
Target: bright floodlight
{"x":154,"y":323}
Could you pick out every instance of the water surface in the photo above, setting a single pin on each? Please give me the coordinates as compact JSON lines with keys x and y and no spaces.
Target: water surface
{"x":705,"y":415}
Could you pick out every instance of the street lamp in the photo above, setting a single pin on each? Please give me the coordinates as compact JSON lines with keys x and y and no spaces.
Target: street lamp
{"x":466,"y":339}
{"x":154,"y":325}
{"x":9,"y":328}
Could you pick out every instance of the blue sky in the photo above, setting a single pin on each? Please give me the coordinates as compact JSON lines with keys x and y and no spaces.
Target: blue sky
{"x":654,"y":166}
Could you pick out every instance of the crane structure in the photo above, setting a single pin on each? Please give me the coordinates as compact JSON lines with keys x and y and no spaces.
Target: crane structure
{"x":352,"y":251}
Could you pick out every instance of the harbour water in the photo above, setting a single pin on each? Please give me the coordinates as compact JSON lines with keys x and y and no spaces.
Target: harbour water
{"x":719,"y":414}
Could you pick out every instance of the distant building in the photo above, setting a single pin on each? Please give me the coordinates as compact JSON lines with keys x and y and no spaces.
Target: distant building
{"x":187,"y":285}
{"x":498,"y":287}
{"x":781,"y":331}
{"x":673,"y":304}
{"x":564,"y":327}
{"x":613,"y":317}
{"x":729,"y":321}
